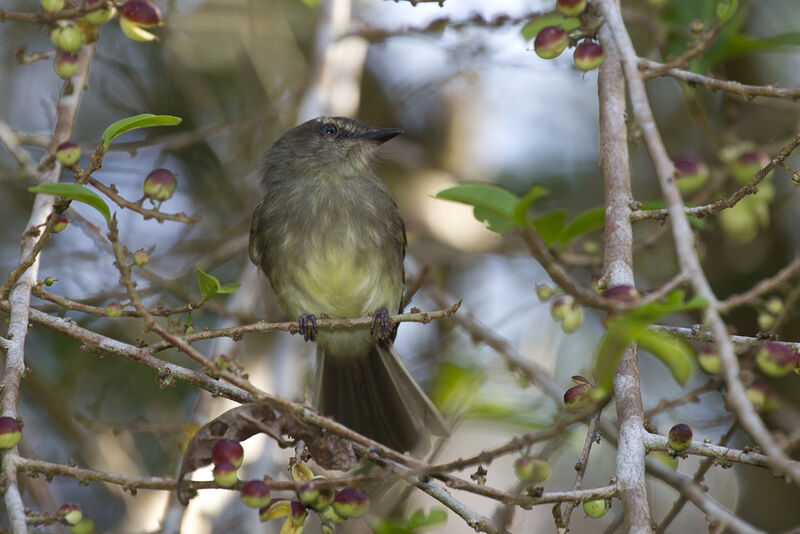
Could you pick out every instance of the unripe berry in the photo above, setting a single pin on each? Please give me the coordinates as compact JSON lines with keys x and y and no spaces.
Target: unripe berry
{"x":690,"y":174}
{"x":680,"y":436}
{"x":61,"y":223}
{"x":763,"y":397}
{"x":572,"y":320}
{"x":68,"y":153}
{"x":588,"y":55}
{"x":533,"y":470}
{"x":84,"y":526}
{"x":99,"y":16}
{"x":67,"y":36}
{"x":328,"y":514}
{"x":228,"y":450}
{"x":225,"y":474}
{"x":140,"y":257}
{"x":297,"y":513}
{"x":596,"y":508}
{"x":66,"y":65}
{"x":255,"y":494}
{"x":71,"y":513}
{"x":776,"y":359}
{"x":561,"y":306}
{"x":324,"y":499}
{"x":544,"y":291}
{"x":748,"y":164}
{"x":571,"y":8}
{"x":765,"y":320}
{"x":138,"y":14}
{"x":550,"y":42}
{"x":308,"y":494}
{"x":10,"y":432}
{"x":709,"y":360}
{"x":49,"y":281}
{"x":350,"y":502}
{"x":159,"y":185}
{"x":52,"y":6}
{"x":774,"y":305}
{"x":114,"y":309}
{"x":739,"y":222}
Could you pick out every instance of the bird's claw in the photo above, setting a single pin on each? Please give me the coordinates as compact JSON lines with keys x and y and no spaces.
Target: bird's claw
{"x":381,"y":319}
{"x":307,"y":326}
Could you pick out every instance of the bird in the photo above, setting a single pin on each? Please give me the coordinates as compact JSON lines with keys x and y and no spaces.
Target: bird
{"x":329,"y":237}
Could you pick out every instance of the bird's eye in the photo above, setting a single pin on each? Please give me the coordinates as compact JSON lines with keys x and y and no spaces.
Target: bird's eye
{"x":330,"y":130}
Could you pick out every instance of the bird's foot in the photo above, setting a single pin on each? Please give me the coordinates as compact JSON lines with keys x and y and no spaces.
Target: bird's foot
{"x":307,"y":326}
{"x":380,"y":318}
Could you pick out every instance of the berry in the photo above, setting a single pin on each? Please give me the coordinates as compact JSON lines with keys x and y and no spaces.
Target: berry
{"x":561,"y":306}
{"x":571,"y":8}
{"x":680,"y":436}
{"x":138,"y":14}
{"x":588,"y":55}
{"x":350,"y":502}
{"x":544,"y":291}
{"x":10,"y":432}
{"x":70,"y":513}
{"x":159,"y":185}
{"x":140,"y":257}
{"x":84,"y":526}
{"x":533,"y":470}
{"x":776,"y":359}
{"x":763,"y":397}
{"x":99,"y":16}
{"x":68,"y":153}
{"x":114,"y":309}
{"x":572,"y":320}
{"x":774,"y":305}
{"x":49,"y":281}
{"x":297,"y":514}
{"x":225,"y":474}
{"x":67,"y":36}
{"x":61,"y":223}
{"x":550,"y":42}
{"x":324,"y":499}
{"x":52,"y":5}
{"x":255,"y":494}
{"x":228,"y":450}
{"x":748,"y":164}
{"x":690,"y":174}
{"x":308,"y":494}
{"x":596,"y":508}
{"x":709,"y":360}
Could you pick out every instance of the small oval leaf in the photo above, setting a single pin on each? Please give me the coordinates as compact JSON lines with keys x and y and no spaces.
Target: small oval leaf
{"x":75,"y":192}
{"x":209,"y":285}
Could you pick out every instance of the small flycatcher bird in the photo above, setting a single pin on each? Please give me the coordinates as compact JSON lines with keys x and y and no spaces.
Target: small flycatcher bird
{"x":329,"y":237}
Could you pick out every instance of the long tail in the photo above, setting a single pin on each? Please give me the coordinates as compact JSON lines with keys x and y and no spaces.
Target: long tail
{"x":376,"y":396}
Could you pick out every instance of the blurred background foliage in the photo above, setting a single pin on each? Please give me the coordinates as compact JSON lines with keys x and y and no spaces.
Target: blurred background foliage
{"x":476,"y":104}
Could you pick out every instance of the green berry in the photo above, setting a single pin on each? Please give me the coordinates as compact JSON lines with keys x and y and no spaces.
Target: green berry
{"x":709,"y":360}
{"x":67,"y":36}
{"x":68,"y":153}
{"x":588,"y":55}
{"x":159,"y":185}
{"x":550,"y":42}
{"x":225,"y":475}
{"x":66,"y":65}
{"x":680,"y":436}
{"x":10,"y":432}
{"x":98,"y":16}
{"x":114,"y":309}
{"x":571,"y":8}
{"x":350,"y":502}
{"x":70,"y":513}
{"x":596,"y":508}
{"x":776,"y":359}
{"x":52,"y":6}
{"x":534,"y":470}
{"x":84,"y":526}
{"x":255,"y":494}
{"x":690,"y":174}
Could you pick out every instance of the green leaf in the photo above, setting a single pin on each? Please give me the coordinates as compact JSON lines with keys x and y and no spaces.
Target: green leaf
{"x":532,"y":28}
{"x":673,"y":352}
{"x":209,"y":285}
{"x":75,"y":192}
{"x":726,"y":9}
{"x":550,"y":225}
{"x":493,"y":204}
{"x":520,"y":213}
{"x":142,"y":120}
{"x":633,"y":327}
{"x":583,"y":223}
{"x":229,"y":288}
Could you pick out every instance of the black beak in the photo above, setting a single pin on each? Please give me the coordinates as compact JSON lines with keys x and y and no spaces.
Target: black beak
{"x":380,"y":136}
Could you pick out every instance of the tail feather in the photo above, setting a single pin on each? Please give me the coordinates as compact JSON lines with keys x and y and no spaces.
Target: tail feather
{"x":375,"y":395}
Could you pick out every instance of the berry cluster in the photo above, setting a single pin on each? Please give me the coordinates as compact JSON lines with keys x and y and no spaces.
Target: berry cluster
{"x":551,"y":41}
